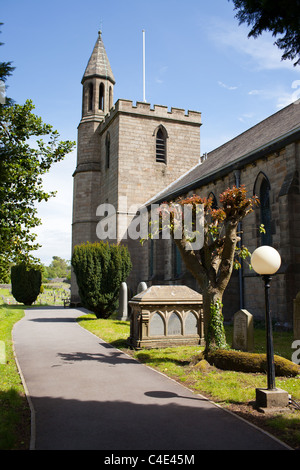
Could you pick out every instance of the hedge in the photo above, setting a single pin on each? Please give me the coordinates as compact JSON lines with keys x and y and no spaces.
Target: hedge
{"x":25,"y":283}
{"x":100,"y":268}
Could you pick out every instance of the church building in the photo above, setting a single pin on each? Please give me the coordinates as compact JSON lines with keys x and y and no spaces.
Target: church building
{"x":132,"y":155}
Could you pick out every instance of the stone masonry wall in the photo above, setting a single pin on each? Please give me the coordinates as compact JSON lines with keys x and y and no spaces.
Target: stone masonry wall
{"x":282,"y":170}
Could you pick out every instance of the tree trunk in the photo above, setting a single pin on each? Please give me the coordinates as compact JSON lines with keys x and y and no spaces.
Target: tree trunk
{"x":215,"y":337}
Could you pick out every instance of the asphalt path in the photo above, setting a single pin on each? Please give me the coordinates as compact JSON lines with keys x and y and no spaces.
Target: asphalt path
{"x":87,"y":395}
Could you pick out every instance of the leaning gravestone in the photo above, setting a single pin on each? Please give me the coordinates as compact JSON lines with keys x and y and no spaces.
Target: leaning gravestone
{"x":243,"y":333}
{"x":296,"y":318}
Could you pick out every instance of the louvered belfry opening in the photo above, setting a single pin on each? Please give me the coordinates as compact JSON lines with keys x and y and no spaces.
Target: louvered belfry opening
{"x":160,"y":146}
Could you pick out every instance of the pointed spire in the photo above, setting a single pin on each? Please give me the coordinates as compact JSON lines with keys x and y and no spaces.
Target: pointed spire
{"x":98,"y":64}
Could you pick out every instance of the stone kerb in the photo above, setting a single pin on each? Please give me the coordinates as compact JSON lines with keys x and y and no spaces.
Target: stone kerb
{"x":165,"y":316}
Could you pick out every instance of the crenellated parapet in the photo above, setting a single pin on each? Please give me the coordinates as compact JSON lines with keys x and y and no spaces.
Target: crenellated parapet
{"x":158,"y":112}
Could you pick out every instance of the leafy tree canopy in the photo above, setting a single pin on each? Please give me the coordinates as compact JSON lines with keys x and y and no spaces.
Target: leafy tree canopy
{"x":28,"y":148}
{"x":279,"y":17}
{"x":58,"y":268}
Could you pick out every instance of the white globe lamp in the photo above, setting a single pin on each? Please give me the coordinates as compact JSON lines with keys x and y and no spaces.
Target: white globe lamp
{"x":265,"y":260}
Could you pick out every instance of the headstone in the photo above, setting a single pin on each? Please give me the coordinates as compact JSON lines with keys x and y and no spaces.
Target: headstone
{"x":123,"y":302}
{"x":243,"y":333}
{"x":296,"y":319}
{"x":141,"y":287}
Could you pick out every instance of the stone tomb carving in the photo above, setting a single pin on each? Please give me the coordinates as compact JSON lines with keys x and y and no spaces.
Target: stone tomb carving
{"x":166,"y":316}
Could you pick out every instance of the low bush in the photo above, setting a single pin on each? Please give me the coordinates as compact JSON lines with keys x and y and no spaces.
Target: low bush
{"x":100,"y":268}
{"x":25,"y":283}
{"x":249,"y":362}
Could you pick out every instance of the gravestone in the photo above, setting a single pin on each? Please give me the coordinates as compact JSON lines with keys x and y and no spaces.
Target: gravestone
{"x":141,"y":287}
{"x":243,"y":333}
{"x":296,"y":317}
{"x":123,"y":302}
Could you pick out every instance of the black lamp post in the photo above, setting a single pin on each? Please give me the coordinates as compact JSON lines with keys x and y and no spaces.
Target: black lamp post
{"x":266,"y":261}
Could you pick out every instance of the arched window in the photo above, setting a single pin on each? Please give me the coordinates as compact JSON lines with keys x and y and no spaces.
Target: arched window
{"x":101,"y":97}
{"x":151,"y":258}
{"x":90,"y":96}
{"x":214,"y":200}
{"x":262,"y":190}
{"x":161,"y":145}
{"x":107,"y":150}
{"x":265,"y":212}
{"x":177,"y":264}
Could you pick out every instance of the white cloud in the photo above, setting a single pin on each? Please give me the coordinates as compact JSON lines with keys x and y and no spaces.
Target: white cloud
{"x":161,"y":74}
{"x":228,"y":87}
{"x":256,"y":92}
{"x":260,"y":50}
{"x":280,"y":94}
{"x":245,"y":117}
{"x":54,"y":234}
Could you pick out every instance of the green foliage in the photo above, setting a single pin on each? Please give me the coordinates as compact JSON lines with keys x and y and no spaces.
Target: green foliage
{"x":22,"y":164}
{"x":276,"y":16}
{"x":25,"y":283}
{"x":100,"y":268}
{"x":248,"y":362}
{"x":59,"y":268}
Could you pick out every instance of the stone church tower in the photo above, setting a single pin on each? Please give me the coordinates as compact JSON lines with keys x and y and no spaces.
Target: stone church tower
{"x":126,"y":154}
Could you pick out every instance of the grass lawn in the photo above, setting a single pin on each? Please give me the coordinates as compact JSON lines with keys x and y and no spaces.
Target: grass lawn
{"x":14,"y":409}
{"x":233,"y":390}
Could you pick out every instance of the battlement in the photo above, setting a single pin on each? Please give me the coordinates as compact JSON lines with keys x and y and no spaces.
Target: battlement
{"x":157,"y":112}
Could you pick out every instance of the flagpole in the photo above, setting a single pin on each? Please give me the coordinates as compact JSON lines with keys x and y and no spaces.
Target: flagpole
{"x":144,"y":68}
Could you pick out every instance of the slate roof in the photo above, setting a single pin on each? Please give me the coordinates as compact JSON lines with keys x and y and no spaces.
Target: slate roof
{"x":261,"y":139}
{"x":98,"y":64}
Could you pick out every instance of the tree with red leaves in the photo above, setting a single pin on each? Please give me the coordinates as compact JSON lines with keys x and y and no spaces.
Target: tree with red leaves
{"x":212,"y":263}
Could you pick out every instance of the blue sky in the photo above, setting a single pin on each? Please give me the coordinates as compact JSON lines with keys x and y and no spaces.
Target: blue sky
{"x":197,"y":58}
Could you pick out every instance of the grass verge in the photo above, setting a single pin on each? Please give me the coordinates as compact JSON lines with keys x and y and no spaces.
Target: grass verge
{"x":232,"y":390}
{"x":14,"y":409}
